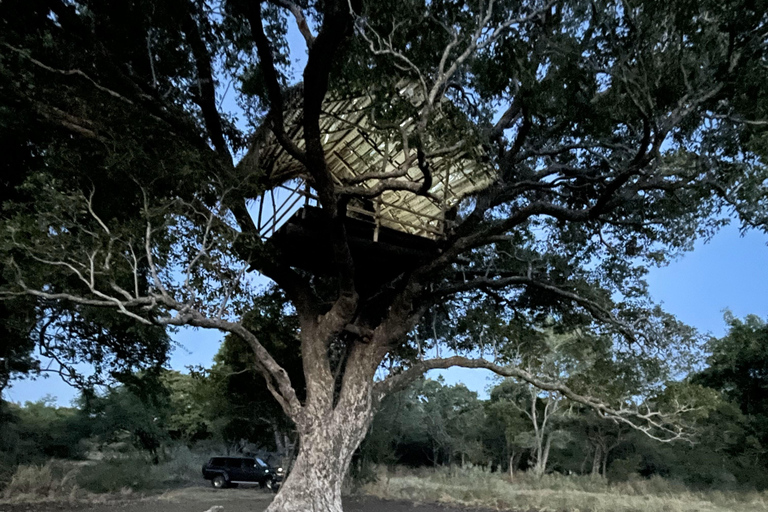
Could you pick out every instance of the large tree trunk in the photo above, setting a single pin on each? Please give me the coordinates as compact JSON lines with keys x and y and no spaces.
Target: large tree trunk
{"x":314,"y":484}
{"x":328,"y":437}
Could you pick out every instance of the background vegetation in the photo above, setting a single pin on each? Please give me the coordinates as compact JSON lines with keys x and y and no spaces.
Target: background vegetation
{"x":431,"y":441}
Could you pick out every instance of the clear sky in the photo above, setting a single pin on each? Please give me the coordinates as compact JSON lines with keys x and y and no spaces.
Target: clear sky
{"x":729,"y":272}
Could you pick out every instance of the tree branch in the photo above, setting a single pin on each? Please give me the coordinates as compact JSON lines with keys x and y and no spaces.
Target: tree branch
{"x":252,"y":11}
{"x":301,"y":21}
{"x":207,"y":87}
{"x":649,"y":423}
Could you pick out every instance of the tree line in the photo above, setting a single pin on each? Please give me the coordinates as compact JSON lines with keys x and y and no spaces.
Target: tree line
{"x":516,"y":428}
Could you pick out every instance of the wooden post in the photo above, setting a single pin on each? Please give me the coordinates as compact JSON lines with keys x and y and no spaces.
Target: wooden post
{"x":376,"y":219}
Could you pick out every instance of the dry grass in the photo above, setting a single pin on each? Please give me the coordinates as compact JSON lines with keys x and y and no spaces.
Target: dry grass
{"x":102,"y":480}
{"x":55,"y":481}
{"x":473,"y":487}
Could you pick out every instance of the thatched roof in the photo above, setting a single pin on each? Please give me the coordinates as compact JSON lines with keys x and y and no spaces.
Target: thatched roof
{"x":354,"y":148}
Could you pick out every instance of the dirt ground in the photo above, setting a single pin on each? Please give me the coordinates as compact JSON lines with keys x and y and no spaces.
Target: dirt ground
{"x":199,"y":499}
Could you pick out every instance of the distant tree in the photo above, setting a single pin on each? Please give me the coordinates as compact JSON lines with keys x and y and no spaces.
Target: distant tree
{"x":533,"y":422}
{"x":507,"y":421}
{"x":187,"y":414}
{"x":738,"y":365}
{"x":453,"y":419}
{"x":124,"y":419}
{"x":603,"y":437}
{"x":399,"y":433}
{"x":40,"y":430}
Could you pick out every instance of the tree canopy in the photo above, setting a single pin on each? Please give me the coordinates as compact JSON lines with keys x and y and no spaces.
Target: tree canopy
{"x":616,"y":134}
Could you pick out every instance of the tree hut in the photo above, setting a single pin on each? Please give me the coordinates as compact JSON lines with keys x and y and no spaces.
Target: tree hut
{"x":389,"y":232}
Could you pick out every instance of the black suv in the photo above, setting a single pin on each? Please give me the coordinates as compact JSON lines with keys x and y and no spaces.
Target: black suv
{"x":231,"y":471}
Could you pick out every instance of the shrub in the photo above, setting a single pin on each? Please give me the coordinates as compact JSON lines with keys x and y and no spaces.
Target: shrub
{"x":114,"y":475}
{"x":622,"y":470}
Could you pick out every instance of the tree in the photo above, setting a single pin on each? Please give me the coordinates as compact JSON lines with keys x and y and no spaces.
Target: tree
{"x":122,"y":416}
{"x":603,"y":437}
{"x":504,"y":424}
{"x":738,"y":364}
{"x":566,"y":358}
{"x":238,"y":401}
{"x":613,"y":133}
{"x":542,"y":412}
{"x":737,"y":367}
{"x":452,"y":417}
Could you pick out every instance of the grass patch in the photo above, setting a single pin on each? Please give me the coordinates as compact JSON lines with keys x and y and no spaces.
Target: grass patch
{"x":474,"y":487}
{"x":109,"y":478}
{"x":52,"y":481}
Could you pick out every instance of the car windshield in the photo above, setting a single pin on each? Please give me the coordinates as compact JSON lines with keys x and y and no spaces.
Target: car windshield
{"x":261,"y":463}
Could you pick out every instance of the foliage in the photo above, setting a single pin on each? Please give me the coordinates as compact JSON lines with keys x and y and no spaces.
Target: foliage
{"x":429,"y":423}
{"x":738,"y":364}
{"x":614,"y":134}
{"x":238,"y":397}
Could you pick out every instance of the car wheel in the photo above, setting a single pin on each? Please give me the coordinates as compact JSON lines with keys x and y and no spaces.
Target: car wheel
{"x":219,"y":481}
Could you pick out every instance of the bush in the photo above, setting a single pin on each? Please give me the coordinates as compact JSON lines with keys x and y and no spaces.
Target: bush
{"x":623,"y":470}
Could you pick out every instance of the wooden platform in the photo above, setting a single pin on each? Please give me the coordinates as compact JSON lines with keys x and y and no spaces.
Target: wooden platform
{"x":304,"y":241}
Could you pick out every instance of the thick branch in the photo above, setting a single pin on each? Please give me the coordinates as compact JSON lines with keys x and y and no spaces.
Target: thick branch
{"x":207,"y":91}
{"x":252,"y":12}
{"x":267,"y":366}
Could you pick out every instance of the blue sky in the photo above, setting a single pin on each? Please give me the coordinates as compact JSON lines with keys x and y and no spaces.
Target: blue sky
{"x":729,"y":272}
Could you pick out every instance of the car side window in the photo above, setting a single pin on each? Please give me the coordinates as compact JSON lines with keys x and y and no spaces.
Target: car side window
{"x":233,"y":463}
{"x":217,"y":462}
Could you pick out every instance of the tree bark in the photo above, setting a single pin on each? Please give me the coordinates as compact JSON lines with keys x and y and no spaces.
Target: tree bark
{"x":604,"y":463}
{"x":328,"y":436}
{"x":542,"y":465}
{"x":325,"y":453}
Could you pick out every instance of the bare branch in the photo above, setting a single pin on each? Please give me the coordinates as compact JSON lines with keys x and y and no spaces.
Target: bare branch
{"x":301,"y":21}
{"x":651,"y":423}
{"x":69,"y":72}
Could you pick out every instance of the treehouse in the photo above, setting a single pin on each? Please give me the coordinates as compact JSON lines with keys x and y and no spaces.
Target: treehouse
{"x":389,"y":233}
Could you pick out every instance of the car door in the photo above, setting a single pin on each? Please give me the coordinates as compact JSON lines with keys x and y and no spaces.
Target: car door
{"x":248,"y":471}
{"x":234,"y":469}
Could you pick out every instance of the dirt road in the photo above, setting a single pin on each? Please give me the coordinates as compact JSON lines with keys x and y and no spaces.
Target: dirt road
{"x":196,"y":499}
